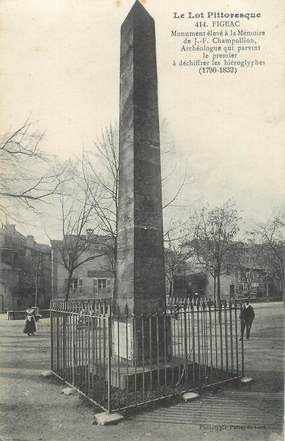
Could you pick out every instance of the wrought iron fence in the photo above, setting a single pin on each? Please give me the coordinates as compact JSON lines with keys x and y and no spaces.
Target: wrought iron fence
{"x":121,"y":360}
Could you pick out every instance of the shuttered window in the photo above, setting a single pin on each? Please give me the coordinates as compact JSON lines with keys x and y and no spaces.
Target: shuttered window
{"x":101,"y":286}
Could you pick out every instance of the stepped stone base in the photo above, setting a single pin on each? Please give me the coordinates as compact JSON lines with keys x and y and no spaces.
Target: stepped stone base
{"x":172,"y":373}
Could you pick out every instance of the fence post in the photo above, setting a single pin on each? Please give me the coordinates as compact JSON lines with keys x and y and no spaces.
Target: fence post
{"x":211,"y":338}
{"x":236,"y":339}
{"x":242,"y":358}
{"x":73,"y":350}
{"x":231,"y":335}
{"x":242,"y":355}
{"x":57,"y":343}
{"x":193,"y":343}
{"x":221,"y":335}
{"x":63,"y":323}
{"x":185,"y":344}
{"x":109,"y":361}
{"x":51,"y":337}
{"x":226,"y":336}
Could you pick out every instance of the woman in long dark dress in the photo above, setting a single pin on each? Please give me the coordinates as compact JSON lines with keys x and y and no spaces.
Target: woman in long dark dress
{"x":30,"y":322}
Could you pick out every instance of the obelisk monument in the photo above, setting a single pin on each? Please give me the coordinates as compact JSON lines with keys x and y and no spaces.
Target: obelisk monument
{"x":140,"y":250}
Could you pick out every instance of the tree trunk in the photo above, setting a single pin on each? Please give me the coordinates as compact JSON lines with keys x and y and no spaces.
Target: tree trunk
{"x":282,"y":279}
{"x":114,"y":296}
{"x":282,"y":284}
{"x":218,"y":287}
{"x":172,"y":287}
{"x":218,"y":294}
{"x":67,"y":291}
{"x":114,"y":293}
{"x":36,"y":290}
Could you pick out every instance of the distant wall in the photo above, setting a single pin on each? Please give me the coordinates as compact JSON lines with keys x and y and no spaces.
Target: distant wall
{"x":226,"y":280}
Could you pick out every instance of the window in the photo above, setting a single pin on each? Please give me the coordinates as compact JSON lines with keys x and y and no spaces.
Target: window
{"x":101,"y":286}
{"x":95,"y":286}
{"x":102,"y":283}
{"x":228,"y":270}
{"x":73,"y":284}
{"x":80,"y":285}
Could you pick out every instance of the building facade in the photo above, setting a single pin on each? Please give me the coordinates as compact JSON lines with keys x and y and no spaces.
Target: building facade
{"x":246,"y":281}
{"x":93,"y":278}
{"x":25,"y":270}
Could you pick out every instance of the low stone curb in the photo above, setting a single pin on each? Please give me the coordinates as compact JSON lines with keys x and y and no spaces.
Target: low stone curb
{"x":190,"y":396}
{"x":246,"y":380}
{"x":47,"y":374}
{"x":105,"y":418}
{"x":68,"y":391}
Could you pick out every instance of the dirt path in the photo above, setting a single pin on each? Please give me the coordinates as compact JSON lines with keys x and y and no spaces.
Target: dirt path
{"x":32,"y":407}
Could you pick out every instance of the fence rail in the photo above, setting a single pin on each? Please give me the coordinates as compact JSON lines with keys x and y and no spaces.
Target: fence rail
{"x":123,"y":360}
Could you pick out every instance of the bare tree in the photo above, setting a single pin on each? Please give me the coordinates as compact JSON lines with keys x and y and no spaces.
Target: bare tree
{"x":100,"y":168}
{"x":271,"y":238}
{"x":214,"y":237}
{"x":76,"y":248}
{"x":26,"y":177}
{"x":177,"y":251}
{"x":102,"y":185}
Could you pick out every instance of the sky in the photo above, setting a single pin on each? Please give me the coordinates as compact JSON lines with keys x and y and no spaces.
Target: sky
{"x":60,"y":65}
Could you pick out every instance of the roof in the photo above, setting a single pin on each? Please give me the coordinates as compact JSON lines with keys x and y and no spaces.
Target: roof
{"x":95,"y":240}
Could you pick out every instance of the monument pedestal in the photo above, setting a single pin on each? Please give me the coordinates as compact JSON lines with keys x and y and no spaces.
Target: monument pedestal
{"x":141,"y":340}
{"x":146,"y":377}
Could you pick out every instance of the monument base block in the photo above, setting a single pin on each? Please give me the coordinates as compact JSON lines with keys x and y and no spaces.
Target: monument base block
{"x":171,"y":374}
{"x":105,"y":418}
{"x":144,"y":377}
{"x":141,"y":340}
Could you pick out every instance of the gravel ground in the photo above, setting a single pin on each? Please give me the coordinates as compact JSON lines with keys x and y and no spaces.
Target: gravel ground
{"x":32,"y":407}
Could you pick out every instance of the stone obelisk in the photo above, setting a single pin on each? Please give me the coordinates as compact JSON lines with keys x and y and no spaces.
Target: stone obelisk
{"x":140,"y":251}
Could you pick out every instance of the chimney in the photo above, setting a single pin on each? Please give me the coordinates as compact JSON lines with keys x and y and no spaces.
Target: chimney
{"x":89,"y":233}
{"x":11,"y":229}
{"x":30,"y":242}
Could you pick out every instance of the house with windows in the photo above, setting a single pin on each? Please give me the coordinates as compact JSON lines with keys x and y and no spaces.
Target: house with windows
{"x":25,"y":270}
{"x":92,"y":278}
{"x":240,"y":277}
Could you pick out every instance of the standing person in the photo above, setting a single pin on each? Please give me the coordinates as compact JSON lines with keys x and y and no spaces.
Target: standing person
{"x":246,"y":318}
{"x":30,"y":322}
{"x":37,"y":317}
